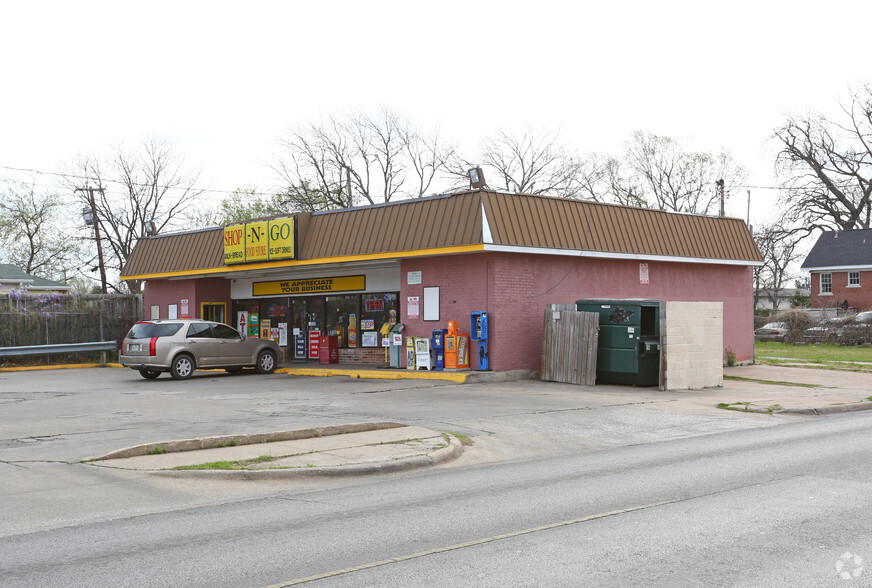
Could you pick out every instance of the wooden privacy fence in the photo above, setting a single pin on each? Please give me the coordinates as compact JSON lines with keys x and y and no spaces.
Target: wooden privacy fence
{"x":569,"y":347}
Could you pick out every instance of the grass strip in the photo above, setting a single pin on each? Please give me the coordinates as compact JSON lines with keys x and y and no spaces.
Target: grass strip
{"x":775,"y":382}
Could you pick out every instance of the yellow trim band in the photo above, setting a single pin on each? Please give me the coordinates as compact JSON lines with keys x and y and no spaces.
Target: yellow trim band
{"x":307,"y":262}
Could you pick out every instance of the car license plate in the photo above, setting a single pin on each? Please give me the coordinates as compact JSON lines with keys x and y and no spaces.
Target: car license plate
{"x":135,"y":347}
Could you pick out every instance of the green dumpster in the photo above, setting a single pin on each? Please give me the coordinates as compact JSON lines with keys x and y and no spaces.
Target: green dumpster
{"x":629,"y":340}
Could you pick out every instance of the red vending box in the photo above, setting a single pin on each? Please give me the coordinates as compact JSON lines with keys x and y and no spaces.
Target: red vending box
{"x":329,"y":349}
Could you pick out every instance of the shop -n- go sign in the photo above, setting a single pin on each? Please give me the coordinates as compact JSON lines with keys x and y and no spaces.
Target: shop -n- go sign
{"x":259,"y":241}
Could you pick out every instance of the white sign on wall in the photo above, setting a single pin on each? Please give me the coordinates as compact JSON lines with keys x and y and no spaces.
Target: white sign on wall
{"x":413,"y":305}
{"x":413,"y":277}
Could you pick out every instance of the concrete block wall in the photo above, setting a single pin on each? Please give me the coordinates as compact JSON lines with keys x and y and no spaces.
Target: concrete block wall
{"x":693,"y":344}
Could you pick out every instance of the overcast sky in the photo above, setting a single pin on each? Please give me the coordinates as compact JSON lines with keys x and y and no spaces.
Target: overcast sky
{"x":223,"y":81}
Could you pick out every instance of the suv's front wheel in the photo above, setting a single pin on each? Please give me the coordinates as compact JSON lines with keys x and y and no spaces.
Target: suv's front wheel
{"x":183,"y":367}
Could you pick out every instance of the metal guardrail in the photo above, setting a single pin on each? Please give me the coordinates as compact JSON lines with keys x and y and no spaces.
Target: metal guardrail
{"x":101,"y":346}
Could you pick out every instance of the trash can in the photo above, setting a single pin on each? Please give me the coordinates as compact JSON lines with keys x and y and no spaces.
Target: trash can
{"x":328,"y":351}
{"x":629,"y":340}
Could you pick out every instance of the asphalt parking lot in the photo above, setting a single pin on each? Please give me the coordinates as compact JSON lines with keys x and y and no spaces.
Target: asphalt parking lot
{"x":51,"y":420}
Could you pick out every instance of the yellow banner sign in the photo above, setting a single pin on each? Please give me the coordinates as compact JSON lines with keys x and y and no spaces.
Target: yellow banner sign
{"x":309,"y":286}
{"x":234,"y":244}
{"x":259,"y":241}
{"x":256,"y":245}
{"x":281,"y":238}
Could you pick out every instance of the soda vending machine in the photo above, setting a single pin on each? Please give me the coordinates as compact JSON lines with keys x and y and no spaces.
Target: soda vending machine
{"x":479,"y":328}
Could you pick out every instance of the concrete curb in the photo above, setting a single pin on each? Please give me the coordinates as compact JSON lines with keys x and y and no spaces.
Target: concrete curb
{"x":59,"y":366}
{"x":824,"y":410}
{"x":454,"y":449}
{"x":820,"y":411}
{"x":471,"y":377}
{"x":245,"y":439}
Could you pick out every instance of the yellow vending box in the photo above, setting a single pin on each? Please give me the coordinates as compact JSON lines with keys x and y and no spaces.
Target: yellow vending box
{"x":462,"y":351}
{"x":410,"y":353}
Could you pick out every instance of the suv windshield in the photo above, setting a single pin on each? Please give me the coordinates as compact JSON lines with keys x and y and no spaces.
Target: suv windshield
{"x":149,"y":330}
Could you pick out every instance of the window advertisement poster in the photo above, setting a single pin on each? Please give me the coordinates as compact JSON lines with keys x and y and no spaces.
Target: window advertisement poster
{"x":265,"y":329}
{"x":352,"y":330}
{"x":186,"y":312}
{"x":413,"y":307}
{"x":242,"y":322}
{"x":643,"y":273}
{"x":283,"y":334}
{"x":367,"y":324}
{"x":314,"y":344}
{"x":370,"y":338}
{"x":299,"y":345}
{"x":254,"y":325}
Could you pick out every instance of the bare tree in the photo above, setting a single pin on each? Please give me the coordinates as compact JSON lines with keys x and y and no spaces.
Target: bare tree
{"x":30,"y":232}
{"x":428,"y":156}
{"x":679,"y":180}
{"x":134,"y":187}
{"x":380,"y":157}
{"x":827,"y":166}
{"x":531,"y":163}
{"x":616,"y":183}
{"x":779,"y":247}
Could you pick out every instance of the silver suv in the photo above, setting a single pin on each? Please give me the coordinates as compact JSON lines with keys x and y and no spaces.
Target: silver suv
{"x":182,"y":346}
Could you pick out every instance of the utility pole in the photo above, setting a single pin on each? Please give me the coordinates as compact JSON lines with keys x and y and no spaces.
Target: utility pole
{"x":96,"y":222}
{"x":748,"y":222}
{"x":720,"y":185}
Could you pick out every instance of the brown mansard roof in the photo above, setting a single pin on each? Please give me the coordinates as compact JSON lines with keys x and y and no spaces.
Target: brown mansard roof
{"x":454,"y":223}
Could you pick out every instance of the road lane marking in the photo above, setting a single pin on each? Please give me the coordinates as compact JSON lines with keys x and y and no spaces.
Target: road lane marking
{"x":474,"y":543}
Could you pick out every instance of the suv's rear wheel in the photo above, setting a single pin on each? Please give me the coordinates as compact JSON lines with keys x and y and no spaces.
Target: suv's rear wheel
{"x":266,"y":362}
{"x":183,"y":367}
{"x":149,"y":374}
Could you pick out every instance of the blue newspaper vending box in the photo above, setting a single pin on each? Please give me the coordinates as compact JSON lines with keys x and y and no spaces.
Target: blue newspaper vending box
{"x":478,"y":331}
{"x":439,"y":349}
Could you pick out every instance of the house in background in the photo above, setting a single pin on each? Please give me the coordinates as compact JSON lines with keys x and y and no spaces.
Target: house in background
{"x":766,"y":296}
{"x":840,"y":264}
{"x":13,"y":278}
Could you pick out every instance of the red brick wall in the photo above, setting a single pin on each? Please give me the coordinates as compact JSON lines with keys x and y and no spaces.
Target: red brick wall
{"x":514,"y":289}
{"x":166,"y":292}
{"x":465,"y":285}
{"x":859,"y":298}
{"x":365,"y":356}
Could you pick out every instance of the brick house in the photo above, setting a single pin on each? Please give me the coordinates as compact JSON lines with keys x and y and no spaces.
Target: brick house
{"x":426,"y":261}
{"x":840,"y":264}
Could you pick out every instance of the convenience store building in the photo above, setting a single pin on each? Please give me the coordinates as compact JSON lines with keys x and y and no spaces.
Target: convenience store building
{"x":427,"y":261}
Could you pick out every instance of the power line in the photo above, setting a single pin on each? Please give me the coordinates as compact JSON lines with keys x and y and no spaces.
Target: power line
{"x":69,"y":176}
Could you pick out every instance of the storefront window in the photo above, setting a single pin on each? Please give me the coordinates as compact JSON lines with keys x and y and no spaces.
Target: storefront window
{"x":251,"y":316}
{"x":340,"y":312}
{"x":376,"y":310}
{"x":355,"y":319}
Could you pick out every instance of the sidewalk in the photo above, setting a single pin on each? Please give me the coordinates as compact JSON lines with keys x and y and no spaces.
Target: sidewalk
{"x":797,"y":390}
{"x":365,"y":449}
